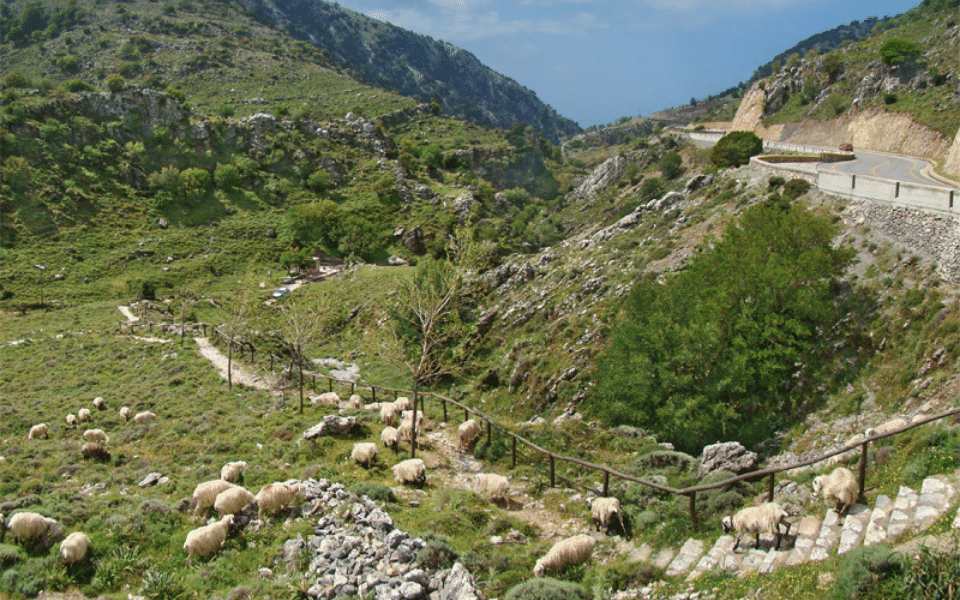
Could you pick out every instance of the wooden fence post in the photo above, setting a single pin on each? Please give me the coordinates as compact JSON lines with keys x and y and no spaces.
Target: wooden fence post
{"x":353,"y":388}
{"x":606,"y":483}
{"x":770,"y":487}
{"x":444,"y":403}
{"x":271,"y":361}
{"x":373,"y":392}
{"x":514,"y":451}
{"x":863,"y":468}
{"x":489,"y":434}
{"x":466,"y":415}
{"x":314,"y":384}
{"x":395,"y":395}
{"x":553,"y":477}
{"x":693,"y":511}
{"x":330,"y":387}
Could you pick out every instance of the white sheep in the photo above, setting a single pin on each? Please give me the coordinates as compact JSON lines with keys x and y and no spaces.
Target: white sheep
{"x":327,"y":398}
{"x":496,"y":487}
{"x":95,"y":451}
{"x":144,"y":417}
{"x":364,"y":453}
{"x":99,"y":403}
{"x":205,"y":541}
{"x":355,"y":402}
{"x":402,"y":403}
{"x":83,"y":415}
{"x":467,"y":435}
{"x":31,"y":527}
{"x":38,"y":431}
{"x":95,"y":435}
{"x":412,"y":471}
{"x":604,"y":510}
{"x":565,"y":553}
{"x":74,"y":548}
{"x":390,"y":437}
{"x":274,"y":497}
{"x":406,"y":425}
{"x":232,"y":501}
{"x":205,"y":494}
{"x":125,"y":413}
{"x":840,"y":487}
{"x":765,"y":518}
{"x":389,"y":414}
{"x":233,"y":471}
{"x":72,"y":421}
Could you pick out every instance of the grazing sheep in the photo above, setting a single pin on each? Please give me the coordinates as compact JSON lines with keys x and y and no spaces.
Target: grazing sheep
{"x":205,"y":494}
{"x":38,"y":431}
{"x":402,"y":403}
{"x":390,"y":437}
{"x":565,"y":553}
{"x":411,"y":471}
{"x":205,"y":541}
{"x":327,"y":398}
{"x":31,"y":528}
{"x":83,"y":415}
{"x":406,"y":426}
{"x":496,"y":487}
{"x":92,"y":451}
{"x":74,"y":548}
{"x":232,"y":501}
{"x":99,"y":403}
{"x":95,"y":435}
{"x":467,"y":435}
{"x":72,"y":421}
{"x":840,"y":487}
{"x":274,"y":497}
{"x":364,"y":453}
{"x":144,"y":417}
{"x":765,"y":518}
{"x":355,"y":402}
{"x":233,"y":471}
{"x":389,"y":414}
{"x":604,"y":510}
{"x":125,"y":414}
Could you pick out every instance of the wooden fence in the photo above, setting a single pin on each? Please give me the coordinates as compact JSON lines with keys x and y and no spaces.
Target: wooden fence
{"x":552,"y":458}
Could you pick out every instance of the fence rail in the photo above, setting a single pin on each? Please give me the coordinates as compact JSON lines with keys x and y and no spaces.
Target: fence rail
{"x":552,"y":458}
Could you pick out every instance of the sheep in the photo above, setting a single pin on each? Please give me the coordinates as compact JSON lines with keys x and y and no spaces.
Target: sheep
{"x":364,"y":453}
{"x":144,"y":417}
{"x":96,"y":452}
{"x":74,"y":548}
{"x":565,"y":553}
{"x":496,"y":487}
{"x":840,"y":487}
{"x":95,"y":435}
{"x":765,"y":518}
{"x":467,"y":435}
{"x":274,"y":497}
{"x":32,"y":528}
{"x":99,"y":403}
{"x":72,"y":421}
{"x":232,"y":501}
{"x":205,"y":541}
{"x":327,"y":398}
{"x":390,"y":437}
{"x":411,"y":471}
{"x":402,"y":403}
{"x":233,"y":471}
{"x":83,"y":415}
{"x":355,"y":402}
{"x":604,"y":510}
{"x":38,"y":431}
{"x":205,"y":494}
{"x":125,"y":414}
{"x":389,"y":414}
{"x":406,"y":426}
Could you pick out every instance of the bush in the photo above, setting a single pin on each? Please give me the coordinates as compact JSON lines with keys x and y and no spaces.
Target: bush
{"x":161,"y":585}
{"x":895,"y":51}
{"x":671,"y":165}
{"x":775,"y":182}
{"x":795,"y":188}
{"x":651,"y":188}
{"x":227,"y":176}
{"x":620,"y":576}
{"x":78,"y":85}
{"x":375,"y":491}
{"x":115,"y":82}
{"x":864,"y":571}
{"x":226,"y":110}
{"x":735,"y":149}
{"x":546,"y":589}
{"x":889,"y":98}
{"x":438,"y":553}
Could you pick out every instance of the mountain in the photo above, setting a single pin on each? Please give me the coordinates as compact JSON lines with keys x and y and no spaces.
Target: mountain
{"x":384,"y":55}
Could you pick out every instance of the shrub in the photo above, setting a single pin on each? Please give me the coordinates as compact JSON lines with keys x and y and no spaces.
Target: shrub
{"x":375,"y":491}
{"x":16,"y":80}
{"x":864,"y":571}
{"x":620,"y":576}
{"x":161,"y":585}
{"x":226,"y":110}
{"x":78,"y":85}
{"x":651,"y":188}
{"x":115,"y":82}
{"x":671,"y":165}
{"x":895,"y":51}
{"x":438,"y":552}
{"x":227,"y":176}
{"x":546,"y":589}
{"x":735,"y":149}
{"x":795,"y":188}
{"x":775,"y":182}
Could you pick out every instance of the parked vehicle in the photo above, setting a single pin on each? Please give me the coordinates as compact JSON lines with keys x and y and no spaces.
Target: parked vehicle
{"x":281,"y":293}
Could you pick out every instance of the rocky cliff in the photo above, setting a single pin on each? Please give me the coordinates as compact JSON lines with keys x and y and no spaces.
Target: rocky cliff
{"x":415,"y":65}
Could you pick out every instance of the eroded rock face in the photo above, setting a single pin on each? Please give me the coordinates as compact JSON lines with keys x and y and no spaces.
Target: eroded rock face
{"x":727,"y":456}
{"x":608,"y":173}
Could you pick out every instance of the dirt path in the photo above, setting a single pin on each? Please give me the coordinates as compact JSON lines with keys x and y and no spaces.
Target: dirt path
{"x":125,"y":310}
{"x":240,"y":374}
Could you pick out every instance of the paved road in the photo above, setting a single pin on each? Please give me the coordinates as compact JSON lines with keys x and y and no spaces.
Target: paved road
{"x":887,"y":166}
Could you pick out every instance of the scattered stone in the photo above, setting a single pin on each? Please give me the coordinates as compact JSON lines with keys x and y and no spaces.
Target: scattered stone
{"x":153,"y":479}
{"x":331,"y":425}
{"x":727,"y":456}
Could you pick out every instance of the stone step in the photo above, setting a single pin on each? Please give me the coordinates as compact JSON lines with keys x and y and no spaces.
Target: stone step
{"x":854,"y":524}
{"x":901,"y":518}
{"x":828,"y":538}
{"x":662,"y":559}
{"x":933,"y":502}
{"x":731,"y":561}
{"x":713,"y":557}
{"x":752,"y":561}
{"x":641,"y":554}
{"x":807,"y":531}
{"x":773,"y":560}
{"x":689,"y":554}
{"x":879,"y":518}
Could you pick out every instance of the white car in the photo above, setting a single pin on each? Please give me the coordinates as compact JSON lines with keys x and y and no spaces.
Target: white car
{"x":281,"y":293}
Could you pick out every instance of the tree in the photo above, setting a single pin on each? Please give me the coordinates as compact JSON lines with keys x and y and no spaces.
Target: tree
{"x":115,"y":82}
{"x":671,"y":165}
{"x":184,"y":300}
{"x":237,"y":307}
{"x":895,"y":51}
{"x":832,"y":66}
{"x":735,"y":149}
{"x":303,"y":320}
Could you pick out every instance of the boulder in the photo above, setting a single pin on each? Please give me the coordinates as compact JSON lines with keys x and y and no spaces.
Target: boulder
{"x":727,"y":456}
{"x":331,"y":425}
{"x":459,"y":585}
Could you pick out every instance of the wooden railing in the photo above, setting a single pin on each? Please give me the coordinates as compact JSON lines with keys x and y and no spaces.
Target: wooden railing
{"x":552,"y":458}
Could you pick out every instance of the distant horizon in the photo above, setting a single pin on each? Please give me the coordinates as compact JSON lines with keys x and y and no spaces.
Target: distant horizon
{"x":596,"y":61}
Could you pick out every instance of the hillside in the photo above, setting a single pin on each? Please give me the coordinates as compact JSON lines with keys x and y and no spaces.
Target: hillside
{"x":387,"y":56}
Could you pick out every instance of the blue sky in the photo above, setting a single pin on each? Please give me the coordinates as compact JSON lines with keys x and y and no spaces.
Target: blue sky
{"x":597,"y":60}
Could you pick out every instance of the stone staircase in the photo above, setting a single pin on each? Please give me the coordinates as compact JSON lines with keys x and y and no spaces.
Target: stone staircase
{"x":812,"y":538}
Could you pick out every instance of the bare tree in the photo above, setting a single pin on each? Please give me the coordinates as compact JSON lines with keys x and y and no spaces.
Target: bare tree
{"x":184,"y":301}
{"x":237,"y":308}
{"x":303,"y":320}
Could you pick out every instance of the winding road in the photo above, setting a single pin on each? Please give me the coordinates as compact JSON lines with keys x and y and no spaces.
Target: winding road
{"x":887,"y":166}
